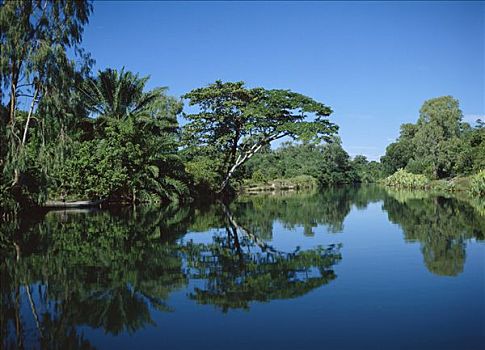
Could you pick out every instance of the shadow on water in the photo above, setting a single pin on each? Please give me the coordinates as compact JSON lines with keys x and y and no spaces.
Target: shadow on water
{"x":111,"y":269}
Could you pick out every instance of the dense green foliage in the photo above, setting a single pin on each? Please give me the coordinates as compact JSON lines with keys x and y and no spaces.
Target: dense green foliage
{"x":79,"y":136}
{"x":129,"y":154}
{"x":440,"y":152}
{"x":85,"y":136}
{"x":477,"y":186}
{"x":402,"y":178}
{"x":328,"y":164}
{"x":35,"y":68}
{"x":440,"y":145}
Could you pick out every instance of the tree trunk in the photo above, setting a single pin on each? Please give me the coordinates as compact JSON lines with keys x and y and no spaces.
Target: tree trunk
{"x":13,"y":97}
{"x":34,"y":310}
{"x":29,"y":116}
{"x":239,"y":161}
{"x":236,"y":227}
{"x":242,"y":158}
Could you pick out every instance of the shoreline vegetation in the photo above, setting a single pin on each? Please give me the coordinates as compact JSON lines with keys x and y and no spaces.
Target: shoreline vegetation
{"x":302,"y":182}
{"x":84,"y":135}
{"x":473,"y":185}
{"x":470,"y":189}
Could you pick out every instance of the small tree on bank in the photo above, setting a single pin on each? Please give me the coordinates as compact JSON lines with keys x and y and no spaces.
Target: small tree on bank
{"x":235,"y":122}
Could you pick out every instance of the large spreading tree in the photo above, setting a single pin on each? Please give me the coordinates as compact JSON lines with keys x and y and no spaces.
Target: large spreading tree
{"x":235,"y":122}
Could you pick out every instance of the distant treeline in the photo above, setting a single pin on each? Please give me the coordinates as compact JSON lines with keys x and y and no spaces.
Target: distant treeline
{"x":328,"y":164}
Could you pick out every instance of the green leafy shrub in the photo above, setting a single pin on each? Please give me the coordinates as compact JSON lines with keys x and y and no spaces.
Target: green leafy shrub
{"x":93,"y":170}
{"x":258,"y":176}
{"x":404,"y":179}
{"x":304,"y":181}
{"x":477,"y":184}
{"x":443,"y":185}
{"x":293,"y":183}
{"x":204,"y":173}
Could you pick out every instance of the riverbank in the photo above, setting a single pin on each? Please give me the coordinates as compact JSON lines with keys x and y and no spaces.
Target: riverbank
{"x":302,"y":182}
{"x":473,"y":185}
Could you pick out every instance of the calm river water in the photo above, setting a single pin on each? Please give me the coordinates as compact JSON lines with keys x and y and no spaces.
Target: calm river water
{"x":344,"y":268}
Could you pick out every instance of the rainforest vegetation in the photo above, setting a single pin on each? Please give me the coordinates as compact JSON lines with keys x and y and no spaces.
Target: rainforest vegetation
{"x":68,"y":132}
{"x":118,"y":274}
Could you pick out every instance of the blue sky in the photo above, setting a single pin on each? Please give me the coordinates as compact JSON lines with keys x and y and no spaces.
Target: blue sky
{"x":374,"y":63}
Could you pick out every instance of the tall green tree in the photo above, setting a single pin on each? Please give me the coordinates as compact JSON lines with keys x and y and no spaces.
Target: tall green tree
{"x":36,"y":35}
{"x":37,"y":72}
{"x":118,"y":94}
{"x":399,"y":153}
{"x":438,"y":132}
{"x":236,"y":122}
{"x":438,"y":145}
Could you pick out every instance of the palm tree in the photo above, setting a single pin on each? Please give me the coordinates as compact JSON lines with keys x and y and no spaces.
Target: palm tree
{"x":143,"y":127}
{"x":117,"y":94}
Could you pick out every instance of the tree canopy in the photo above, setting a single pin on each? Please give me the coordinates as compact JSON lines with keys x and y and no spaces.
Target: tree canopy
{"x":236,"y":122}
{"x":439,"y":145}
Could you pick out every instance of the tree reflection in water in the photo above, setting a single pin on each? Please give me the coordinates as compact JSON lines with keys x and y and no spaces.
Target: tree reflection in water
{"x":441,"y":225}
{"x":240,"y":268}
{"x":105,"y":270}
{"x":111,"y":269}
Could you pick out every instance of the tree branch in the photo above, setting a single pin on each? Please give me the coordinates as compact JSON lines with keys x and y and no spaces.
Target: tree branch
{"x":265,"y":247}
{"x":31,"y":110}
{"x":243,"y":157}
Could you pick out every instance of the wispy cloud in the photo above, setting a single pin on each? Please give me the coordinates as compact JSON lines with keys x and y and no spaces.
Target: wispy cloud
{"x":472,"y":118}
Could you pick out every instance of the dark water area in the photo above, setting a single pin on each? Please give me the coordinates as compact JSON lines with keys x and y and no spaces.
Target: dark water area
{"x":343,"y":268}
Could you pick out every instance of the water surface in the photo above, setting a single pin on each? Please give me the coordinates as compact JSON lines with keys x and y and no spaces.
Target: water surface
{"x":345,"y":268}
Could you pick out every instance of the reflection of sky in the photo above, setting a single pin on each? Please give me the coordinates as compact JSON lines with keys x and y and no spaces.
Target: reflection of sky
{"x":202,"y":237}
